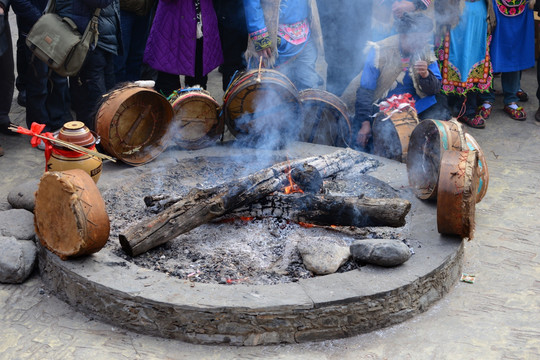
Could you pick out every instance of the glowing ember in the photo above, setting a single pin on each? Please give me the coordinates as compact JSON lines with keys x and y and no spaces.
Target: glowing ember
{"x":305,"y":225}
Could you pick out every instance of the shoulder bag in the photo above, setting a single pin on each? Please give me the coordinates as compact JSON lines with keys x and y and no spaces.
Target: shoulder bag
{"x":56,"y":41}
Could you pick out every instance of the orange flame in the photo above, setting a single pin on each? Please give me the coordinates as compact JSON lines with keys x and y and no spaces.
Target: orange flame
{"x":306,"y":225}
{"x":292,"y":187}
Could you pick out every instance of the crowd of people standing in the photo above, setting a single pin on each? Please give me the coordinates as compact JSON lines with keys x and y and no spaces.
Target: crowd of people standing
{"x":445,"y":53}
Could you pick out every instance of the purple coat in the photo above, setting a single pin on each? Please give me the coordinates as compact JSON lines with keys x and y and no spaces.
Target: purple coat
{"x":171,"y":44}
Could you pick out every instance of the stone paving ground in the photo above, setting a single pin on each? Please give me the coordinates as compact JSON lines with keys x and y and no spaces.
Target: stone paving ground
{"x":497,"y":317}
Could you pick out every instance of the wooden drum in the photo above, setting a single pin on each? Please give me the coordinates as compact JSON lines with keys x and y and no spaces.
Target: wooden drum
{"x":483,"y":174}
{"x":391,"y":133}
{"x":456,"y":193}
{"x":133,"y":124}
{"x":196,"y":123}
{"x":70,"y":216}
{"x":325,"y":119}
{"x":429,"y":139}
{"x":261,"y":109}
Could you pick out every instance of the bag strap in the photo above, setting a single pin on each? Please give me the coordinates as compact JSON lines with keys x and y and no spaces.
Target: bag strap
{"x":91,"y":32}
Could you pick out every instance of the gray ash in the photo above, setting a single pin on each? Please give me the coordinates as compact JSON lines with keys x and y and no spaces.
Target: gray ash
{"x":258,"y":251}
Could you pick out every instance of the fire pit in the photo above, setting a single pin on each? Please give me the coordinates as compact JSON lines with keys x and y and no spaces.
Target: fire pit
{"x":204,"y":304}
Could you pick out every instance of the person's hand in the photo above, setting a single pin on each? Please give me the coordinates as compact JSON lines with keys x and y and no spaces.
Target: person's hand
{"x":265,"y":53}
{"x":401,"y":7}
{"x":421,"y":68}
{"x":364,"y":134}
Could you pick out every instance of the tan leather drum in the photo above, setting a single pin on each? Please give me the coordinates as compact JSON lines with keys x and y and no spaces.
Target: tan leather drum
{"x":69,"y":216}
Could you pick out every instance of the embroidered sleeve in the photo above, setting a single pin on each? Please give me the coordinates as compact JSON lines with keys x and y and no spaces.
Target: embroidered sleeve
{"x":261,"y":39}
{"x":255,"y":24}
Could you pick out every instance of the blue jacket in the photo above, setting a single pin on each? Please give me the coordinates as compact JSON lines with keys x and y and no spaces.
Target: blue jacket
{"x":81,"y":11}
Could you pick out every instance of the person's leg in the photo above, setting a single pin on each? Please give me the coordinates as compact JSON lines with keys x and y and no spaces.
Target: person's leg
{"x":136,"y":48}
{"x":7,"y":83}
{"x":301,"y":70}
{"x":22,"y":63}
{"x":199,"y":78}
{"x":537,"y":114}
{"x":58,"y":102}
{"x":89,"y":86}
{"x":510,"y":84}
{"x":36,"y":91}
{"x":127,"y":20}
{"x":166,"y":83}
{"x":438,"y":111}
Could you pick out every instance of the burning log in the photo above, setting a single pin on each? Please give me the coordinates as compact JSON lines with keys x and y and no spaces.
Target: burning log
{"x":329,"y":210}
{"x":202,"y":206}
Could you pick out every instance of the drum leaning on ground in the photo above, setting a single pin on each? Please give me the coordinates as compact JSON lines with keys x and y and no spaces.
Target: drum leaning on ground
{"x":196,"y":123}
{"x":483,"y":173}
{"x":261,"y":109}
{"x":392,"y":133}
{"x":325,"y":119}
{"x":133,"y":124}
{"x":456,"y":193}
{"x":70,"y":215}
{"x":429,"y":139}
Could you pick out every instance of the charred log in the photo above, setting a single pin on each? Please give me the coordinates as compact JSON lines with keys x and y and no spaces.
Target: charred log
{"x":202,"y":206}
{"x":329,"y":210}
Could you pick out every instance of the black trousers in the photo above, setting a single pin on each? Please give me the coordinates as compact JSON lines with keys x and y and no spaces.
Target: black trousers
{"x":7,"y":75}
{"x":166,"y":83}
{"x":94,"y":80}
{"x":233,"y":35}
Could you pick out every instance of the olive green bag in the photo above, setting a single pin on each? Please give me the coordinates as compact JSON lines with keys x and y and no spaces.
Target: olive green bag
{"x":56,"y":41}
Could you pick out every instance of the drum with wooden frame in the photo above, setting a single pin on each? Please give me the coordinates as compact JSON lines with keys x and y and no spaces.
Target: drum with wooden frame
{"x":429,"y":139}
{"x":196,"y":123}
{"x":483,"y":174}
{"x":392,"y":132}
{"x":456,"y":193}
{"x":325,"y":119}
{"x":70,"y":216}
{"x":133,"y":124}
{"x":261,"y":109}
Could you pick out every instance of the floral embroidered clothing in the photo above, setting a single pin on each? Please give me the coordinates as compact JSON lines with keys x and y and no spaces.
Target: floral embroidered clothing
{"x":512,"y":46}
{"x":293,"y":28}
{"x":464,"y":52}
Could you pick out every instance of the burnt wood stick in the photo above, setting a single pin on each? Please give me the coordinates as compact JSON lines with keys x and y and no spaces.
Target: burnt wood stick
{"x":201,"y":206}
{"x":329,"y":210}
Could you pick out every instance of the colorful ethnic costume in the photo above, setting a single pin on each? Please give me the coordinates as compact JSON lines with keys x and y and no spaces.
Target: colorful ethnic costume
{"x":512,"y":50}
{"x":291,"y":29}
{"x":464,"y":52}
{"x":386,"y":73}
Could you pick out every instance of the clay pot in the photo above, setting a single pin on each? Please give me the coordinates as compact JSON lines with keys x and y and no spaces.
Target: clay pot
{"x":62,"y":158}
